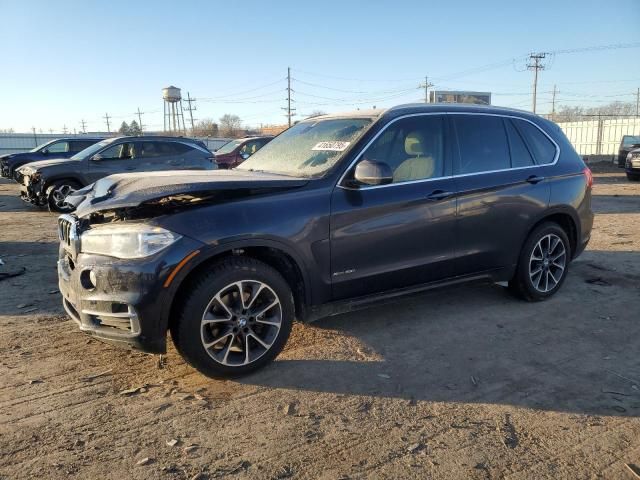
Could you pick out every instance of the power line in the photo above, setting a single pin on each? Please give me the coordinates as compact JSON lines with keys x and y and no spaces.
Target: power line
{"x":190,"y":109}
{"x":288,"y":109}
{"x":244,"y":91}
{"x":107,"y":117}
{"x":535,"y":64}
{"x":140,"y":119}
{"x":613,"y":46}
{"x":426,"y":86}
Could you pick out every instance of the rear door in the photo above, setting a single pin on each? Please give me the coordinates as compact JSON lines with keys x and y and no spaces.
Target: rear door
{"x":157,"y":155}
{"x":118,"y":158}
{"x":403,"y":233}
{"x":502,"y":191}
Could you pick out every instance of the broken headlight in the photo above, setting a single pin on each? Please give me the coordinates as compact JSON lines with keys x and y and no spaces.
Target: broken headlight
{"x":126,"y":241}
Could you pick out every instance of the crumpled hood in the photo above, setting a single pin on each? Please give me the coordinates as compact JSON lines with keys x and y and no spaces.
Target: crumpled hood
{"x":133,"y":189}
{"x":48,"y":163}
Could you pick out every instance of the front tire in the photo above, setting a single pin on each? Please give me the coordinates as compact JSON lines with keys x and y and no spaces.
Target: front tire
{"x":634,"y":177}
{"x":235,"y":319}
{"x":543,"y":263}
{"x":57,"y":192}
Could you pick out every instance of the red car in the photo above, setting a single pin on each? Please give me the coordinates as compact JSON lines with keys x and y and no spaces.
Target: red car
{"x":235,"y":152}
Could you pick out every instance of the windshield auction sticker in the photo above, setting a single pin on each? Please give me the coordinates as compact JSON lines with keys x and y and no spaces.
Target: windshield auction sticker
{"x":331,"y":146}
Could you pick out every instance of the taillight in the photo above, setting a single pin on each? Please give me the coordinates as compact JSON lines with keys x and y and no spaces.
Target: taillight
{"x":588,"y":176}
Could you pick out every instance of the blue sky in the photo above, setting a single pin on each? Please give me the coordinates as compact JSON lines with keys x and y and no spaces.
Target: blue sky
{"x":64,"y":61}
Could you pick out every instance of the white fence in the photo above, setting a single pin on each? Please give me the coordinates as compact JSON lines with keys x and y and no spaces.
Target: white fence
{"x":23,"y":142}
{"x":599,"y":137}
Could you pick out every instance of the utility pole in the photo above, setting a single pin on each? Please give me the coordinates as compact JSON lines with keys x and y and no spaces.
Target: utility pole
{"x":64,"y":129}
{"x":140,"y":119}
{"x":288,"y":109}
{"x":35,"y":138}
{"x":84,"y":126}
{"x":426,"y":88}
{"x":107,"y":117}
{"x":190,"y":109}
{"x":553,"y":104}
{"x":637,"y":102}
{"x":535,"y":64}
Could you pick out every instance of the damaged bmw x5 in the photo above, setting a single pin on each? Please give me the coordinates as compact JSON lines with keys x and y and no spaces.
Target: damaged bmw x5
{"x":336,"y":213}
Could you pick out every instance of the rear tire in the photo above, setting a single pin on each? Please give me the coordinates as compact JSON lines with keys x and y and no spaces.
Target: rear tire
{"x":57,"y":192}
{"x":235,"y":319}
{"x":543,"y":263}
{"x":634,"y":177}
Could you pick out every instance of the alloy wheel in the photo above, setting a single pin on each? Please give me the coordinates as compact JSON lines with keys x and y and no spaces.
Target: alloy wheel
{"x":60,"y":193}
{"x":547,"y":263}
{"x":241,"y":323}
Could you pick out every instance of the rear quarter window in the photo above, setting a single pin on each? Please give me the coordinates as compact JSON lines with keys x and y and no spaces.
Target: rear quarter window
{"x":543,"y":149}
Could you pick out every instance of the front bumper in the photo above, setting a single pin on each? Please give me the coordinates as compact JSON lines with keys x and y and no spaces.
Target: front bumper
{"x":31,"y":192}
{"x":632,"y":165}
{"x":5,"y":170}
{"x":128,"y":305}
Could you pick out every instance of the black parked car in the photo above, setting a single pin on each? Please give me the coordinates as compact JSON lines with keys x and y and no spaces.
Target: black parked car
{"x":48,"y":182}
{"x":632,"y":165}
{"x":628,"y":143}
{"x":335,"y":213}
{"x":60,"y":148}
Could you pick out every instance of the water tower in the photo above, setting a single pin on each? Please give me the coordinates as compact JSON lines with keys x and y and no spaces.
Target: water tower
{"x":173,"y":110}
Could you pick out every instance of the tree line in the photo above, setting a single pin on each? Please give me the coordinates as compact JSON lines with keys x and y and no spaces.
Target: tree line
{"x":566,"y":113}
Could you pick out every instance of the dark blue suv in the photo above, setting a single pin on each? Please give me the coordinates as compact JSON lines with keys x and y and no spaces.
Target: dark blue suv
{"x":335,"y":213}
{"x":59,"y":148}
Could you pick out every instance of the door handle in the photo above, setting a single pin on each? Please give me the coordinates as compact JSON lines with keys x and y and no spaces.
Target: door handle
{"x":439,"y":195}
{"x":130,"y":168}
{"x":534,"y":179}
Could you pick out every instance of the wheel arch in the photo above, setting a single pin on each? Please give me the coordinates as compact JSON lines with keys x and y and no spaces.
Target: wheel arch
{"x":56,"y":178}
{"x":566,"y":219}
{"x":276,"y":255}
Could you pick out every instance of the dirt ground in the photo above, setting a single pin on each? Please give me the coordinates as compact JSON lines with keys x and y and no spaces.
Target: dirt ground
{"x":456,"y":383}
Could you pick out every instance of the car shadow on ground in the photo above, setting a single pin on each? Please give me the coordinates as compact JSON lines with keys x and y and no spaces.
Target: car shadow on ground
{"x":477,"y":344}
{"x":35,"y":290}
{"x":13,"y":203}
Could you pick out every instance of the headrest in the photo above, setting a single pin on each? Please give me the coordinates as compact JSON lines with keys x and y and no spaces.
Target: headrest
{"x":414,"y":144}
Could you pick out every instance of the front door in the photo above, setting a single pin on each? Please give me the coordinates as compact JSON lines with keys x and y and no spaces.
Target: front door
{"x":400,"y":234}
{"x":118,"y":158}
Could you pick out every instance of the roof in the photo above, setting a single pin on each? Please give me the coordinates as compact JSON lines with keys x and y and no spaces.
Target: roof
{"x":427,"y":107}
{"x":153,"y":137}
{"x":456,"y":107}
{"x":368,"y":113}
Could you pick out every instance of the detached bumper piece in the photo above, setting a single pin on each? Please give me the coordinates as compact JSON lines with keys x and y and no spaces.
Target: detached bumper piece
{"x":31,"y":192}
{"x":112,"y":318}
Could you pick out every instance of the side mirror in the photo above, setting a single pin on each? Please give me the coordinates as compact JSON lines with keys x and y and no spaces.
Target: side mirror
{"x":96,"y":158}
{"x":370,"y":172}
{"x":45,"y":151}
{"x":244,"y":155}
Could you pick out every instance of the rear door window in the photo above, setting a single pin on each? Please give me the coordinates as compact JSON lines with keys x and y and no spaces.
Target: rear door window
{"x":78,"y":146}
{"x":58,"y":147}
{"x":520,"y":154}
{"x":543,"y":149}
{"x":482,"y":142}
{"x":121,"y":151}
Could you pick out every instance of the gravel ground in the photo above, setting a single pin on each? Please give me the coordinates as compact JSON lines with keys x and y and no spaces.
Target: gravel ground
{"x":455,"y":383}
